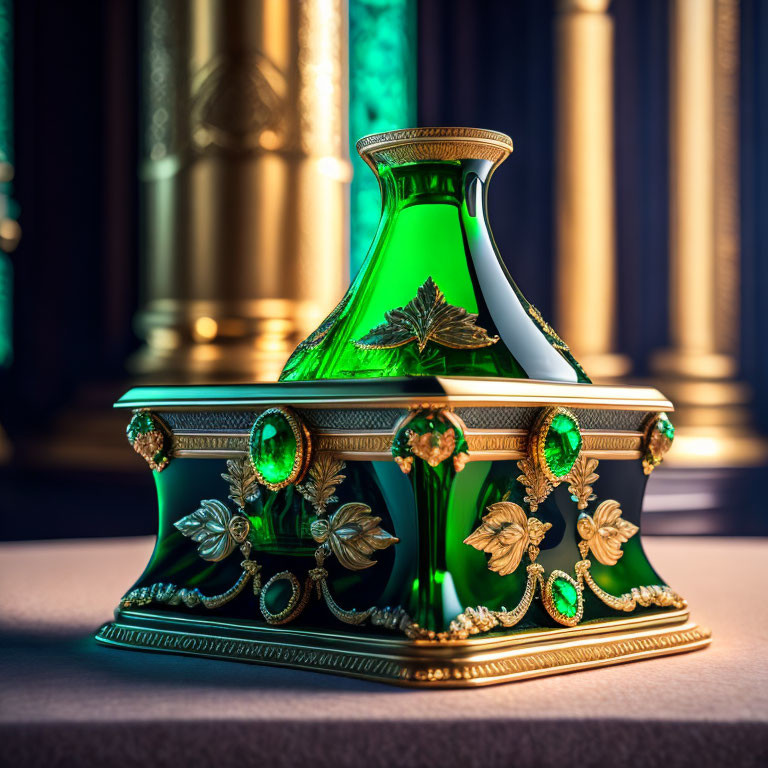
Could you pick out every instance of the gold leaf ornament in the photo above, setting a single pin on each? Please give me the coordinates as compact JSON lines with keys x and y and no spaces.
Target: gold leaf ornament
{"x":505,"y":534}
{"x":243,"y":485}
{"x":215,"y":529}
{"x":352,"y":533}
{"x":582,"y":478}
{"x":537,"y":486}
{"x":324,"y":477}
{"x":606,"y":531}
{"x":427,"y":317}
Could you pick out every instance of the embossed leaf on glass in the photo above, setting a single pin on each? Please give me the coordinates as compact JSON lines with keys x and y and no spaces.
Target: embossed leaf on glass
{"x":606,"y":531}
{"x":352,"y":533}
{"x":209,"y":527}
{"x":427,"y":317}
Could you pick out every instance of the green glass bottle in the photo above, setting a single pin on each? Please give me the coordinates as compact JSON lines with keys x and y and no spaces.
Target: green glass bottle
{"x":433,"y":297}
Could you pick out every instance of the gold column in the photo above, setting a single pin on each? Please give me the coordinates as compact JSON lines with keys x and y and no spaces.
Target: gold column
{"x":245,"y":174}
{"x":698,"y":371}
{"x":585,"y":219}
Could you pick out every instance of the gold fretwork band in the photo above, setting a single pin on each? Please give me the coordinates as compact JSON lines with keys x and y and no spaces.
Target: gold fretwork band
{"x":484,"y":445}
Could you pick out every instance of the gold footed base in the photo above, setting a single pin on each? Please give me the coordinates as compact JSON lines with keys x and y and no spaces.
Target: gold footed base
{"x":473,"y":662}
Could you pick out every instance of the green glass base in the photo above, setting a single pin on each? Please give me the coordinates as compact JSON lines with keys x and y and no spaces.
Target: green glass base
{"x":430,"y":517}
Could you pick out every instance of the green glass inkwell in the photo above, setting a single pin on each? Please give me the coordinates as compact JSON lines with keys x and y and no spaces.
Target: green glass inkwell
{"x":433,"y":494}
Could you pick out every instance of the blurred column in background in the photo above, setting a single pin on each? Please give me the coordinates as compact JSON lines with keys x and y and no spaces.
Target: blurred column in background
{"x":244,"y":180}
{"x":584,"y":207}
{"x":698,"y":372}
{"x":382,"y":97}
{"x":9,"y":227}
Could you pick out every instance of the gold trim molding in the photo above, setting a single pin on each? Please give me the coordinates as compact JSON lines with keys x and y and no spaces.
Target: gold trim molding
{"x":439,"y":391}
{"x":415,"y":144}
{"x":464,"y":664}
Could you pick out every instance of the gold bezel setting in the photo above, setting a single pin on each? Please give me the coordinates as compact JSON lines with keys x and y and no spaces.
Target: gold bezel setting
{"x":539,"y":437}
{"x":303,"y":447}
{"x":292,"y":606}
{"x":549,"y":601}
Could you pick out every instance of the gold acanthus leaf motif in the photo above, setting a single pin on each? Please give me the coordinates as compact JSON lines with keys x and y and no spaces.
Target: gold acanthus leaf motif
{"x":433,"y":447}
{"x":606,"y":531}
{"x":505,"y":534}
{"x":537,"y":486}
{"x":243,"y":486}
{"x":427,"y":317}
{"x":215,"y":529}
{"x":352,"y":533}
{"x":581,"y":479}
{"x":324,"y":476}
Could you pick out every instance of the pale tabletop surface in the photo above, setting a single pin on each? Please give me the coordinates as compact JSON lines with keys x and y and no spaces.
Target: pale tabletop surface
{"x":66,"y":701}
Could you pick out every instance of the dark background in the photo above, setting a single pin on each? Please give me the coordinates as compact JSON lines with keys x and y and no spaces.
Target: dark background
{"x":486,"y":63}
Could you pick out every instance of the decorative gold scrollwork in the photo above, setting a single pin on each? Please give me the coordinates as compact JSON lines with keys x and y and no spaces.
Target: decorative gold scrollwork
{"x":507,"y":532}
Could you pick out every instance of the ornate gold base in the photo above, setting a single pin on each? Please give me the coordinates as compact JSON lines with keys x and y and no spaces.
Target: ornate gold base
{"x":473,"y":662}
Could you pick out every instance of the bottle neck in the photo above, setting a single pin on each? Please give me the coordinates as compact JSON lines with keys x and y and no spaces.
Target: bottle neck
{"x":431,"y":183}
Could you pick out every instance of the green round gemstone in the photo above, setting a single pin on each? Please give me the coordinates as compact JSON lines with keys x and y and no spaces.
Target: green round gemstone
{"x":273,"y":447}
{"x":562,"y":444}
{"x":565,"y":597}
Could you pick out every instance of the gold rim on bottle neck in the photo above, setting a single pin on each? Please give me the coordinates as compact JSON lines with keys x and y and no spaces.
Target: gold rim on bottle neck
{"x":412,"y":145}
